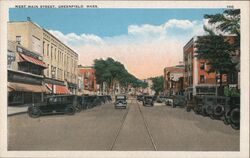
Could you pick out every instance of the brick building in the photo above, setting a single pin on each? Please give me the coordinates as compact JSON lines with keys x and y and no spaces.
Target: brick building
{"x":197,"y":80}
{"x":173,"y":80}
{"x":87,"y":74}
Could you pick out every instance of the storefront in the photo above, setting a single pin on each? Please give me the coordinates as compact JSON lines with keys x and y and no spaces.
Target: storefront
{"x":25,"y":88}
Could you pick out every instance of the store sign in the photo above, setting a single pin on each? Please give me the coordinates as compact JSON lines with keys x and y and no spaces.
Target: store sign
{"x":23,"y":78}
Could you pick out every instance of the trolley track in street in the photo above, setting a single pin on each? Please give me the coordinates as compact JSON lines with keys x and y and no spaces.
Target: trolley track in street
{"x":119,"y":129}
{"x":147,"y":128}
{"x":144,"y":122}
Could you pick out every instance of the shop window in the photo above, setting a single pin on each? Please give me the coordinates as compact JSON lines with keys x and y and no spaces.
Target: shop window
{"x":15,"y":98}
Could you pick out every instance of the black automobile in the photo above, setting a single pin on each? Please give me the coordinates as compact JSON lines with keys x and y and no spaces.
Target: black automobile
{"x":54,"y":104}
{"x":139,"y":97}
{"x":175,"y":100}
{"x":148,"y":101}
{"x":121,"y":101}
{"x":161,"y":99}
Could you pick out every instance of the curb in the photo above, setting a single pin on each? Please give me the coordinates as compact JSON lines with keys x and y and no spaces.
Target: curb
{"x":17,"y":113}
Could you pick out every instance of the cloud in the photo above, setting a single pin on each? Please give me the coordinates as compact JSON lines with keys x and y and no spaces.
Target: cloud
{"x":183,"y":24}
{"x":145,"y":50}
{"x":75,"y":40}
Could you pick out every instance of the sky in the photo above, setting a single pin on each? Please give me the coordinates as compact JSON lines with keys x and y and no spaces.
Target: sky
{"x":144,"y":40}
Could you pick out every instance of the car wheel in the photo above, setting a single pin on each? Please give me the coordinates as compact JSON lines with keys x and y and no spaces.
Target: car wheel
{"x":34,"y":112}
{"x":70,"y":110}
{"x":235,"y":115}
{"x":218,"y":110}
{"x":235,"y":126}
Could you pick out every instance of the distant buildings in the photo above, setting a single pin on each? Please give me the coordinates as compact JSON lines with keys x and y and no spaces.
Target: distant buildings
{"x":173,"y":80}
{"x":60,"y":60}
{"x":148,"y":90}
{"x":87,"y":75}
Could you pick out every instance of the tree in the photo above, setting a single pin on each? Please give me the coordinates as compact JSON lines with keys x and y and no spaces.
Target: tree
{"x":111,"y":72}
{"x":227,"y":22}
{"x":215,"y":48}
{"x":157,"y":84}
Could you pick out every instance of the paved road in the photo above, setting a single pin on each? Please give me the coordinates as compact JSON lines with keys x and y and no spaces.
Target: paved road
{"x":135,"y":128}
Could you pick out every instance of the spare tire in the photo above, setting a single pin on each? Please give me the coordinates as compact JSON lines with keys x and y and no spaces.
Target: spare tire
{"x":235,"y":115}
{"x":219,"y":110}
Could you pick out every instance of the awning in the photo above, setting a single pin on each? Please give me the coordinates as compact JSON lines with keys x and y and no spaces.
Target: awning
{"x":31,"y":60}
{"x":26,"y":87}
{"x":58,"y":89}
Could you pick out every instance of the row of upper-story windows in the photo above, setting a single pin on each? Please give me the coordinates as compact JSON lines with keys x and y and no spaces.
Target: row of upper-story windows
{"x":58,"y":55}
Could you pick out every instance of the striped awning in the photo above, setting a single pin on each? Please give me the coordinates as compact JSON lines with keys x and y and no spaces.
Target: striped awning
{"x":32,"y":60}
{"x":58,"y":89}
{"x":13,"y":86}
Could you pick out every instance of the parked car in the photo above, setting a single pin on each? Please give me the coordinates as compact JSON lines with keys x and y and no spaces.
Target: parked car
{"x":161,"y":99}
{"x":54,"y":104}
{"x":139,"y":97}
{"x":175,"y":100}
{"x":148,"y":101}
{"x":223,"y":108}
{"x":232,"y":113}
{"x":121,"y":101}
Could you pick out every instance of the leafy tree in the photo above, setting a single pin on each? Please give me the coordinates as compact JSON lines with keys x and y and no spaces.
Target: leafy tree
{"x":216,"y":48}
{"x":158,"y":84}
{"x":111,"y":72}
{"x":227,"y":22}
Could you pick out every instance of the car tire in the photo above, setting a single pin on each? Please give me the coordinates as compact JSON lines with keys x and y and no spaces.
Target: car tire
{"x":235,"y":126}
{"x":219,"y":110}
{"x":235,"y":115}
{"x":70,"y":110}
{"x":34,"y":112}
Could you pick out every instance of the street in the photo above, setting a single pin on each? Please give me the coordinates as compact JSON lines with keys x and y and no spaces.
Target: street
{"x":160,"y":128}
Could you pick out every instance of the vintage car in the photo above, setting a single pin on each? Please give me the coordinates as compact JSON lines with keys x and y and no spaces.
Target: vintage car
{"x":215,"y":105}
{"x":175,"y":100}
{"x":161,"y":99}
{"x":232,"y":113}
{"x":148,"y":101}
{"x":139,"y":97}
{"x":121,"y":101}
{"x":54,"y":104}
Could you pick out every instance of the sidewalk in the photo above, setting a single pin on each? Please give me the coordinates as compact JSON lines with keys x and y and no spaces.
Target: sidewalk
{"x":15,"y":110}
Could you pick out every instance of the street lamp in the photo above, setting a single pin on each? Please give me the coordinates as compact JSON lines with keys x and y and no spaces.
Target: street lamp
{"x":53,"y":73}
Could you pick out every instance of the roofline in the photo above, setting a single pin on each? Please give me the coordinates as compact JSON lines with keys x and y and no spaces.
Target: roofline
{"x":80,"y":66}
{"x":60,"y":41}
{"x":46,"y":32}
